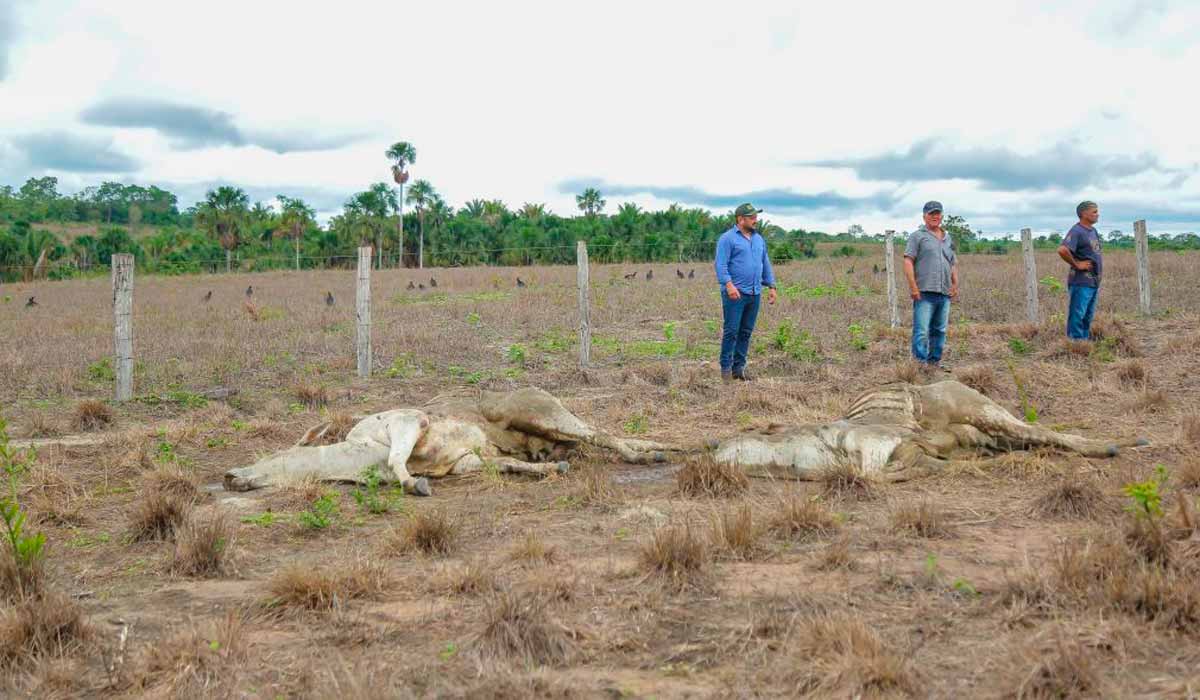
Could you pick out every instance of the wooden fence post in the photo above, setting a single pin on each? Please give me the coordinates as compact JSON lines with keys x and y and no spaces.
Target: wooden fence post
{"x":888,"y":265}
{"x":122,"y":285}
{"x":1143,"y":265}
{"x":585,"y":327}
{"x":362,"y":312}
{"x":1031,"y":281}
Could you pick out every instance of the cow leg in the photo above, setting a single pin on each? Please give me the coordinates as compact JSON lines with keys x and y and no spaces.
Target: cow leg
{"x":345,"y":461}
{"x":471,"y":463}
{"x":403,"y":433}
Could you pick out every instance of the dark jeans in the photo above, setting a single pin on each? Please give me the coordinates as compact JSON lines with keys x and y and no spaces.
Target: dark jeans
{"x":1080,"y":308}
{"x":740,"y":315}
{"x":931,"y":315}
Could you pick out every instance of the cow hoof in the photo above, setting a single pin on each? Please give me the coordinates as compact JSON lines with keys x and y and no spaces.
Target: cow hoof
{"x":563,"y":467}
{"x":1113,"y":450}
{"x":420,"y":487}
{"x":660,"y":457}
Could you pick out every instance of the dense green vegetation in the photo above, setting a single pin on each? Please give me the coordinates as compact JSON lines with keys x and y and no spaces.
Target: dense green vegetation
{"x":227,"y":231}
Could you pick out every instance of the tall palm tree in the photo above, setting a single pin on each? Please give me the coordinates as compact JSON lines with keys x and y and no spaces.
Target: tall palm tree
{"x":402,"y":153}
{"x":421,"y":193}
{"x":296,"y":217}
{"x":533,"y":212}
{"x":590,"y":202}
{"x":383,"y":203}
{"x":223,"y":214}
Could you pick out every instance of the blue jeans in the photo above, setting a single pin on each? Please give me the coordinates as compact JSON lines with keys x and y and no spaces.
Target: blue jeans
{"x":1080,"y":308}
{"x":931,"y":315}
{"x":739,"y":317}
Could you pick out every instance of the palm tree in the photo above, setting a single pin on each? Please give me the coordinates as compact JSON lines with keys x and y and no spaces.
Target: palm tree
{"x":421,"y":193}
{"x":296,"y":217}
{"x":533,"y":212}
{"x":590,"y":202}
{"x":401,"y":153}
{"x":223,"y":214}
{"x":382,"y":203}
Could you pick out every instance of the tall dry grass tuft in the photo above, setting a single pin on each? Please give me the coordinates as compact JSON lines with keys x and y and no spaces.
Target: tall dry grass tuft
{"x":1190,"y":429}
{"x":474,"y":577}
{"x":596,"y":488}
{"x":1117,"y":333}
{"x":1187,"y":473}
{"x":92,"y":415}
{"x":736,"y":534}
{"x":908,"y":371}
{"x":838,"y":655}
{"x":1149,"y":401}
{"x":1064,"y":671}
{"x":39,"y":626}
{"x":429,"y":532}
{"x":1131,"y":372}
{"x":195,"y":662}
{"x":519,"y":630}
{"x":301,"y":586}
{"x":312,"y":396}
{"x":981,"y":378}
{"x":204,"y":546}
{"x":532,"y":549}
{"x":676,"y":556}
{"x":843,"y":481}
{"x":703,"y":477}
{"x":168,"y":497}
{"x":1071,"y":497}
{"x":801,"y":518}
{"x":837,"y":556}
{"x":923,"y":519}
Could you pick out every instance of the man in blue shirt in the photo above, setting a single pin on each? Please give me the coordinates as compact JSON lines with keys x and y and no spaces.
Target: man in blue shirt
{"x":743,"y":269}
{"x":1081,"y":250}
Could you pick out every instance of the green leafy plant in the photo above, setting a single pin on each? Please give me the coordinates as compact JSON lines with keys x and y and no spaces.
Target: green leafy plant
{"x":1027,"y":407}
{"x":370,"y":496}
{"x":636,"y":424}
{"x":402,"y":367}
{"x":516,"y":354}
{"x":473,"y":319}
{"x":799,"y":344}
{"x":28,"y":550}
{"x":858,"y":337}
{"x":669,"y":330}
{"x":1147,"y":495}
{"x":102,"y":370}
{"x":266,"y":519}
{"x":1018,"y":346}
{"x":711,"y":325}
{"x":1105,"y":350}
{"x":320,"y":512}
{"x":1051,"y":283}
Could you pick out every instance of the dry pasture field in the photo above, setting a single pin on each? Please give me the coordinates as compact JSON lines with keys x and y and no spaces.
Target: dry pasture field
{"x":614,"y":580}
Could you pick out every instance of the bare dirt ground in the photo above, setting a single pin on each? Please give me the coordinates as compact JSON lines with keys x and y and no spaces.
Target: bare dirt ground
{"x":1026,"y":581}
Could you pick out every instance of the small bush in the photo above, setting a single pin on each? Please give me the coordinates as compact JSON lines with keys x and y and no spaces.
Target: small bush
{"x":320,"y":513}
{"x":49,"y":624}
{"x":676,"y":556}
{"x":1072,"y":497}
{"x":1131,"y":372}
{"x":92,"y":415}
{"x":518,"y":630}
{"x":703,"y":477}
{"x":204,"y":547}
{"x":312,"y":396}
{"x":736,"y":533}
{"x":168,"y":497}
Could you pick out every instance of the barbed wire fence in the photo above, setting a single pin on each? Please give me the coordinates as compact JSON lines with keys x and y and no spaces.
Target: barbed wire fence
{"x":122,"y":270}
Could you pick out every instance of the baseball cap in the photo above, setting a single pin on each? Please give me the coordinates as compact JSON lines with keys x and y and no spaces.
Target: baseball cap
{"x":932,"y":206}
{"x":746,"y":210}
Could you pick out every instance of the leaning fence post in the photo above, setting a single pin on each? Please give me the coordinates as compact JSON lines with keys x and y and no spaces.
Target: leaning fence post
{"x":1143,"y":265}
{"x":1031,"y":291}
{"x":122,"y":285}
{"x":362,"y":312}
{"x":888,"y":264}
{"x":585,"y":328}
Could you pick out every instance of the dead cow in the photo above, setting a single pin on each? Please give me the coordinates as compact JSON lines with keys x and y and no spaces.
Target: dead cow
{"x":526,"y":431}
{"x":901,"y":431}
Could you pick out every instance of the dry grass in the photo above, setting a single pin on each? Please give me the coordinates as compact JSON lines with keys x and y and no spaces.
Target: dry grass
{"x":1187,"y":473}
{"x":703,"y":477}
{"x":475,"y":577}
{"x":42,"y":425}
{"x":837,"y":556}
{"x":204,"y":547}
{"x":197,"y":661}
{"x":676,"y":556}
{"x":519,"y":630}
{"x":922,"y":518}
{"x":1118,"y":333}
{"x":91,"y":414}
{"x":800,"y":518}
{"x":532,"y":549}
{"x":838,"y":655}
{"x":844,"y":482}
{"x":311,"y":588}
{"x":158,"y":513}
{"x":1066,"y":670}
{"x":735,"y":533}
{"x":1189,"y":429}
{"x":1149,"y":401}
{"x":1071,"y":497}
{"x":430,"y":532}
{"x":313,"y":396}
{"x":39,"y":626}
{"x":596,"y":488}
{"x":981,"y":378}
{"x":908,"y":371}
{"x":1131,"y":372}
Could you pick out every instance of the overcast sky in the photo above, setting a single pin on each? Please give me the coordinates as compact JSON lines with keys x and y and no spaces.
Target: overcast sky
{"x":825,"y":115}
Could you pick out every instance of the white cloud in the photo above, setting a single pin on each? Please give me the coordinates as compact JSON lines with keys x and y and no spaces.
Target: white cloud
{"x":508,"y":100}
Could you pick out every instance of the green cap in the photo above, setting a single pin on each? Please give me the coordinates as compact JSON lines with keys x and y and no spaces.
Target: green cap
{"x":745,"y":210}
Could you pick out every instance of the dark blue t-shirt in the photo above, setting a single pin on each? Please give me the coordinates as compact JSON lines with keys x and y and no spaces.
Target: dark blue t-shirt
{"x":1084,"y":244}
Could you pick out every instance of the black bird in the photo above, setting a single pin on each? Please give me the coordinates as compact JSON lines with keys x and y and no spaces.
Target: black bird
{"x":31,"y":302}
{"x":207,"y":297}
{"x":520,"y":283}
{"x":249,"y":291}
{"x":411,"y":285}
{"x":649,"y":275}
{"x":850,"y":271}
{"x":631,"y":275}
{"x":328,"y":298}
{"x":691,"y":274}
{"x":421,"y":287}
{"x":432,"y":282}
{"x":679,"y":274}
{"x":874,"y":269}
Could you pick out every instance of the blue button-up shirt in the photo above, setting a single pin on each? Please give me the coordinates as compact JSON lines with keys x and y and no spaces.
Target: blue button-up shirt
{"x":745,"y":261}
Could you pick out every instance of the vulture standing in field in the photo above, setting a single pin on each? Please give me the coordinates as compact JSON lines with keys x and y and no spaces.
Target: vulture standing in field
{"x":874,"y":269}
{"x":520,"y":283}
{"x":207,"y":297}
{"x":649,"y":275}
{"x":678,"y":273}
{"x":32,"y":302}
{"x":411,"y":285}
{"x":328,"y":298}
{"x":249,"y":291}
{"x":850,"y":271}
{"x":420,"y":287}
{"x":631,"y":276}
{"x":691,"y":274}
{"x":432,"y":282}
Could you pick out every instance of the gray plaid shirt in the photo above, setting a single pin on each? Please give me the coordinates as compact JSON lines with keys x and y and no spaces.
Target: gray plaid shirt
{"x":932,"y":259}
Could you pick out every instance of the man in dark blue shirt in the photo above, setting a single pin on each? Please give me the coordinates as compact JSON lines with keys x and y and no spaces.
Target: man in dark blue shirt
{"x":1081,"y":250}
{"x":743,"y":269}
